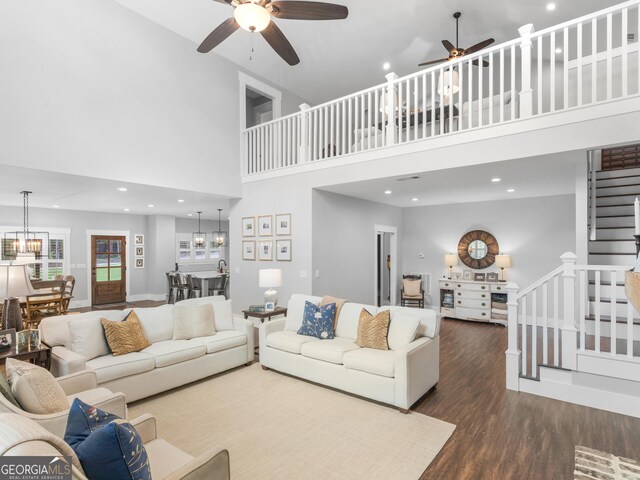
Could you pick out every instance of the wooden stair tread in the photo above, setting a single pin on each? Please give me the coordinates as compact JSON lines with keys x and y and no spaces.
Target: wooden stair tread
{"x":619,"y":195}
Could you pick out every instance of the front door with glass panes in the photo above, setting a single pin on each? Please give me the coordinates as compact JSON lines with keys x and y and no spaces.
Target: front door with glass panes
{"x":108,"y":270}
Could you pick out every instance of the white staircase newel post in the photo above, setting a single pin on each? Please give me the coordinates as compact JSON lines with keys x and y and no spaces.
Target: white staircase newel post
{"x":526,"y":93}
{"x":304,"y":133}
{"x":569,"y":331}
{"x":390,"y":109}
{"x":513,"y":352}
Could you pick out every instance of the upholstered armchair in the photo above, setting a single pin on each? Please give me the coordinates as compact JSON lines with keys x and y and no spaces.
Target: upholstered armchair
{"x":24,"y":437}
{"x":412,"y":291}
{"x":83,"y":385}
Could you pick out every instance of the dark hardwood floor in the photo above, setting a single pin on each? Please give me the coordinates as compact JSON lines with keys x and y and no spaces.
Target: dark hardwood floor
{"x":502,"y":434}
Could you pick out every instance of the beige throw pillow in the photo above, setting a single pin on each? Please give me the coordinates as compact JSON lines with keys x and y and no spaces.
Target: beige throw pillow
{"x":191,"y":322}
{"x":328,"y":300}
{"x":125,"y":336}
{"x":34,"y":388}
{"x":372,"y":331}
{"x":412,"y":287}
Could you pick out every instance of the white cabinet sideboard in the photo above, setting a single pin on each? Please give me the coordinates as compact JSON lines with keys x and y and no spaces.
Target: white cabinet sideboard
{"x":475,"y":301}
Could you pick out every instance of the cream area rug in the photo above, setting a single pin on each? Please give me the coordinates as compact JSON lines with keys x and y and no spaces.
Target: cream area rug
{"x":280,"y":427}
{"x":595,"y":465}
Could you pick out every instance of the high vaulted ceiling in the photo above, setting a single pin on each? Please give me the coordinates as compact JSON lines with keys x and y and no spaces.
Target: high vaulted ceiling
{"x":342,"y":57}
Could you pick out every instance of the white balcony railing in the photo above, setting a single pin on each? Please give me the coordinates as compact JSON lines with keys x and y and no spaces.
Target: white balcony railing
{"x":582,"y":62}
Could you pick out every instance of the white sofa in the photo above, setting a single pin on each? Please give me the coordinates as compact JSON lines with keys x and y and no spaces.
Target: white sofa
{"x":78,"y":343}
{"x":398,"y":377}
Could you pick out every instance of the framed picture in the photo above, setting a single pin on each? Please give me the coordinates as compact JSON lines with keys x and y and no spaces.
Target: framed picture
{"x":265,"y":226}
{"x":249,"y":227}
{"x":492,"y":277}
{"x":456,"y":276}
{"x":138,"y":239}
{"x":479,"y":277}
{"x":139,"y":251}
{"x":467,"y":275}
{"x":34,"y":339}
{"x":283,"y":224}
{"x":139,"y":262}
{"x":269,"y":307}
{"x":7,"y":339}
{"x":265,"y":250}
{"x":248,"y":250}
{"x":283,"y":250}
{"x":23,"y":341}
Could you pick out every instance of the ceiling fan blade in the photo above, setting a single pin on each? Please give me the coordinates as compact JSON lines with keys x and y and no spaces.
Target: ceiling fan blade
{"x":477,"y":63}
{"x":433,"y":62}
{"x":448,"y":45}
{"x":300,"y":10}
{"x":227,"y":2}
{"x":219,"y":35}
{"x":478,"y":46}
{"x":274,"y":37}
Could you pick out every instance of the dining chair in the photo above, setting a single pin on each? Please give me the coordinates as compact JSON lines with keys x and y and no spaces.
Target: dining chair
{"x":40,"y":306}
{"x":195,"y":286}
{"x":410,"y":295}
{"x":218,"y":285}
{"x":182,"y":286}
{"x":172,"y":287}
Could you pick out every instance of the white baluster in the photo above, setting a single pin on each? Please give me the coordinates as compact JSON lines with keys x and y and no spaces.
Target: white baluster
{"x":597,"y":311}
{"x":534,"y":333}
{"x":552,"y":72}
{"x":526,"y":93}
{"x":368,"y":127}
{"x":480,"y":94}
{"x":349,"y":125}
{"x":569,"y":332}
{"x":594,"y":60}
{"x":539,"y":76}
{"x":513,"y":83}
{"x":556,"y":323}
{"x":391,"y":109}
{"x":565,"y":65}
{"x":609,"y":56}
{"x":545,"y":323}
{"x":332,"y":136}
{"x":433,"y":103}
{"x":625,"y":60}
{"x":614,"y":306}
{"x":501,"y":86}
{"x":513,"y":353}
{"x":523,"y":343}
{"x":582,"y":307}
{"x":491,"y":113}
{"x":461,"y":97}
{"x":424,"y":105}
{"x":630,"y":310}
{"x":304,"y":133}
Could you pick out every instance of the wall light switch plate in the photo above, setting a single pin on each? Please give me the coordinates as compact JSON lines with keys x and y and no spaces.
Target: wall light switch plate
{"x":317,"y":273}
{"x":81,"y":265}
{"x":303,"y":274}
{"x":421,"y":255}
{"x":237,"y":270}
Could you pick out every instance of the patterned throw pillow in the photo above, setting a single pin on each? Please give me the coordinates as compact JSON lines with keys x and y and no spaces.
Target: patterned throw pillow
{"x":107,"y":446}
{"x":318,"y":321}
{"x":373,"y":331}
{"x":35,"y":389}
{"x":125,"y":336}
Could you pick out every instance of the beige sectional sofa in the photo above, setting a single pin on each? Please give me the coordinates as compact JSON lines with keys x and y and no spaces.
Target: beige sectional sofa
{"x":399,"y":376}
{"x":78,"y":343}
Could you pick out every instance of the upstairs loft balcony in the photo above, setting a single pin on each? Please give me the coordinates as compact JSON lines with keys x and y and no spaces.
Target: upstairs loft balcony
{"x":589,"y":61}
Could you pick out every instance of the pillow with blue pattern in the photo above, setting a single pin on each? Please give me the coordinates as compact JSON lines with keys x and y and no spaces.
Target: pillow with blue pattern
{"x":318,"y":321}
{"x":107,"y":446}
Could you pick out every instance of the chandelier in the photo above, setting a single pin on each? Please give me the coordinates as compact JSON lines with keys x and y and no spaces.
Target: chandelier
{"x":199,"y":237}
{"x":25,"y":243}
{"x":219,"y":237}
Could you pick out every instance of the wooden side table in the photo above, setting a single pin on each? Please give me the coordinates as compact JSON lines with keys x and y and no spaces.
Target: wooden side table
{"x":262,"y":316}
{"x":39,"y":356}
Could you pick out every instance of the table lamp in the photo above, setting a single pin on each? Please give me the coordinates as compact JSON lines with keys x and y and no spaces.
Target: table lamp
{"x":14,"y":283}
{"x":270,"y":278}
{"x":503,"y":261}
{"x":450,"y":260}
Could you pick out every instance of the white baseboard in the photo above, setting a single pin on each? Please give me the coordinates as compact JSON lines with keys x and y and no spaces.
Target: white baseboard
{"x":155,"y":297}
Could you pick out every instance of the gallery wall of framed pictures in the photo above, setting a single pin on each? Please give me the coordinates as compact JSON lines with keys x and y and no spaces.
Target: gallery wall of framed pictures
{"x":262,"y":238}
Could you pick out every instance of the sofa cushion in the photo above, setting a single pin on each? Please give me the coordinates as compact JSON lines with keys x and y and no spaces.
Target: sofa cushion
{"x":93,"y":396}
{"x":295,"y":311}
{"x":288,"y":341}
{"x":373,"y":330}
{"x":171,"y":352}
{"x":87,"y":335}
{"x":54,"y":331}
{"x":125,"y":336}
{"x":412,"y":288}
{"x":34,"y":388}
{"x":190,"y":322}
{"x":429,"y":322}
{"x":347,"y":325}
{"x":327,"y":300}
{"x":5,"y":391}
{"x":318,"y":321}
{"x":328,"y":350}
{"x":221,"y":341}
{"x":377,"y":362}
{"x":402,"y":330}
{"x":109,"y":368}
{"x":164,"y":458}
{"x":157,"y":322}
{"x":222,"y":315}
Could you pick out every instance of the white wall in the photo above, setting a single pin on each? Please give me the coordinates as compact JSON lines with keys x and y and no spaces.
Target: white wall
{"x":344,"y":244}
{"x":534,"y":231}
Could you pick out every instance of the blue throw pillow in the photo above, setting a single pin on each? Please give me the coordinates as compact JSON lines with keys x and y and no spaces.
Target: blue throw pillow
{"x":318,"y":321}
{"x":107,"y":446}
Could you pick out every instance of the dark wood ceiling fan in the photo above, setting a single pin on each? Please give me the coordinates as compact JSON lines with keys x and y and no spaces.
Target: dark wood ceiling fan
{"x":457,"y":52}
{"x":255,"y":16}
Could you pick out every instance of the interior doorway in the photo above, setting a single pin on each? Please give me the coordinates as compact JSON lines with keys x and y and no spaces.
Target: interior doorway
{"x":259,"y":108}
{"x":385,"y":265}
{"x":108,"y":269}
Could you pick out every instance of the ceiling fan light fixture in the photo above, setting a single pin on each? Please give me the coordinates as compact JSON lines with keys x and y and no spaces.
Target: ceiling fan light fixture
{"x":449,"y":83}
{"x":252,"y":17}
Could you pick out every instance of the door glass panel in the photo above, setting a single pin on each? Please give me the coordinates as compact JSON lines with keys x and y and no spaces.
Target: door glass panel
{"x":116,"y":246}
{"x":115,"y":274}
{"x":115,"y":260}
{"x":102,"y":274}
{"x":102,"y":246}
{"x":102,"y":260}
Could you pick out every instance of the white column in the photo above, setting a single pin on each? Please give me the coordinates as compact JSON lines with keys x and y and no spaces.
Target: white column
{"x":304,"y":133}
{"x":526,"y":94}
{"x":513,"y":352}
{"x":390,"y":110}
{"x":569,"y":331}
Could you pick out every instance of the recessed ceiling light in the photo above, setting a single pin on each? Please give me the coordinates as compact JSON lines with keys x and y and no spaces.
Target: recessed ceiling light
{"x":386,"y":65}
{"x":496,"y":180}
{"x":151,"y":205}
{"x":551,"y":7}
{"x":189,"y":214}
{"x":558,"y":50}
{"x":56,"y":206}
{"x":181,"y":201}
{"x":127,"y":209}
{"x":414,"y":199}
{"x":511,"y":190}
{"x":122,"y":189}
{"x":387,"y":192}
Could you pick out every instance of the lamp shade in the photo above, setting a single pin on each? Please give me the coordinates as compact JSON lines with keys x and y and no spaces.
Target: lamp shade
{"x":270,"y":277}
{"x":451,"y":259}
{"x":24,"y":258}
{"x":252,"y":17}
{"x":14,"y":281}
{"x":449,"y":82}
{"x":503,"y":261}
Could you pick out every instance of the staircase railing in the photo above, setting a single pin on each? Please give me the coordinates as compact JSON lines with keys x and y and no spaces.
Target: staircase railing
{"x":574,"y":310}
{"x":593,"y":220}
